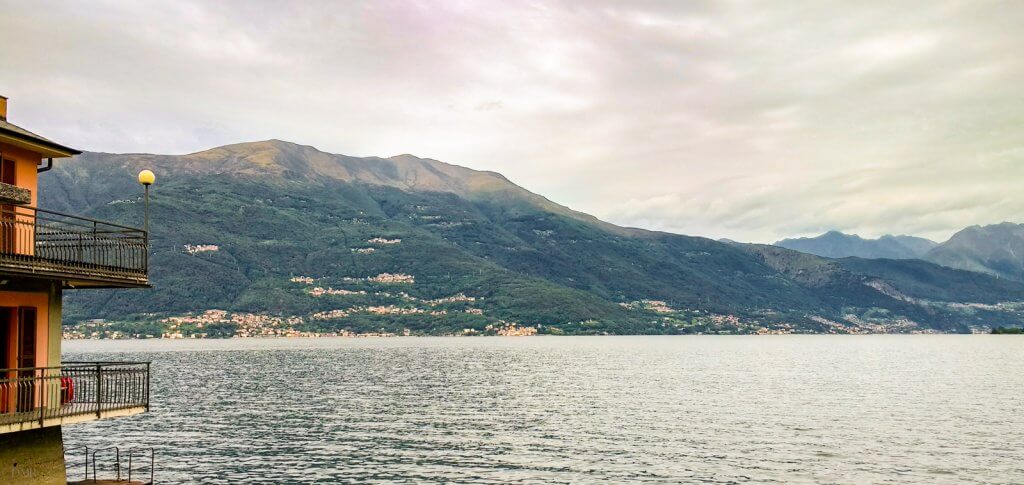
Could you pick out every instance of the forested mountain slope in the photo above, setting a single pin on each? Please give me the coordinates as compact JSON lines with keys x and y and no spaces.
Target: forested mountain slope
{"x":996,"y":249}
{"x":438,"y":248}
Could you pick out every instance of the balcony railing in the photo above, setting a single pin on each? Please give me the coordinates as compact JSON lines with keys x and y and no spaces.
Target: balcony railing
{"x":35,"y":397}
{"x":46,"y":243}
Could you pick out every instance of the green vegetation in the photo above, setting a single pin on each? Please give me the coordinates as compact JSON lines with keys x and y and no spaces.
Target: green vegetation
{"x":1008,"y":330}
{"x":519,"y":261}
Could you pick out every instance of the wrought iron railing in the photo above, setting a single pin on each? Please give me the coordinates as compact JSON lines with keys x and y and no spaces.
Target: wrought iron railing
{"x":37,"y":240}
{"x":77,"y":389}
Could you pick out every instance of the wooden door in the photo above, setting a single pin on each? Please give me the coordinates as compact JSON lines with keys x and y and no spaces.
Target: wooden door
{"x":26,"y":357}
{"x":8,"y":227}
{"x":7,"y":361}
{"x":26,"y":336}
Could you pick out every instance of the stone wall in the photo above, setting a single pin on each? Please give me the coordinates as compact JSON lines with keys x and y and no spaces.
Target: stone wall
{"x":12,"y":194}
{"x":35,"y":457}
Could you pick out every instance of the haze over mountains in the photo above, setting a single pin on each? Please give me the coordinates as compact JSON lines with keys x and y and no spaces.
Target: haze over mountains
{"x":996,"y":249}
{"x":341,"y":242}
{"x":834,"y":244}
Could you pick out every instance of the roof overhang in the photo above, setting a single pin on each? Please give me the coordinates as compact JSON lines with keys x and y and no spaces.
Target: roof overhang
{"x":46,"y":148}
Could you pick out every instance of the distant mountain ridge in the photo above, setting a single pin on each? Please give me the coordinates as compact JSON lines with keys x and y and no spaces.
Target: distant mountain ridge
{"x":295,"y":231}
{"x":835,"y":244}
{"x":996,"y":249}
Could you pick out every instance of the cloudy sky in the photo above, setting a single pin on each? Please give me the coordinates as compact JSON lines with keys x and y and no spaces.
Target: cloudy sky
{"x":747,"y":120}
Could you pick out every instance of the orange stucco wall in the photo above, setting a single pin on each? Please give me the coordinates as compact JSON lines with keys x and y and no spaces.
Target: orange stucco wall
{"x":41,"y":302}
{"x":25,"y":172}
{"x":25,"y":176}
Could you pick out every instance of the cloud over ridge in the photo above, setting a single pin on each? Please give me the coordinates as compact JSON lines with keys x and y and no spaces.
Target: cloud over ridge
{"x":753,"y":121}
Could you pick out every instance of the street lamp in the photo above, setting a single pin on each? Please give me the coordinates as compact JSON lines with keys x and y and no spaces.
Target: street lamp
{"x":146,"y":178}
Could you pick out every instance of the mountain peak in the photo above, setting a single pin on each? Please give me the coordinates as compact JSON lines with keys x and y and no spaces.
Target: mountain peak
{"x":836,"y":244}
{"x":998,"y":229}
{"x":257,"y":146}
{"x":284,"y":161}
{"x":996,"y":249}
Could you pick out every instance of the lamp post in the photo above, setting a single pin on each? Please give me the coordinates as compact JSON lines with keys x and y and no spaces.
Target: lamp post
{"x":146,"y":178}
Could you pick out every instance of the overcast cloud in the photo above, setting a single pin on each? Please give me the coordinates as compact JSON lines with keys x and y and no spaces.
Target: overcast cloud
{"x":748,"y":120}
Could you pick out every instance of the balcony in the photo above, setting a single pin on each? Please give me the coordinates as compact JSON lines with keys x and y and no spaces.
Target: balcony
{"x":37,"y":397}
{"x":80,"y":251}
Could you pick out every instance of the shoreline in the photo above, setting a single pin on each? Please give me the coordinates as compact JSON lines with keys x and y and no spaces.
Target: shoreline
{"x":460,"y":336}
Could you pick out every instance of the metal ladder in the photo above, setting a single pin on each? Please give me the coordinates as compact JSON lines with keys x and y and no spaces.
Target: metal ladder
{"x":80,"y":461}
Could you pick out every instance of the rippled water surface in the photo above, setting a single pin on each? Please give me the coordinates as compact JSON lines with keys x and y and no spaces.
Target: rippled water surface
{"x":848,"y":409}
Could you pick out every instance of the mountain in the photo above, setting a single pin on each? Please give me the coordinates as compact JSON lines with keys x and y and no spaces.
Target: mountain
{"x":834,"y":244}
{"x":996,"y":249}
{"x":327,"y":242}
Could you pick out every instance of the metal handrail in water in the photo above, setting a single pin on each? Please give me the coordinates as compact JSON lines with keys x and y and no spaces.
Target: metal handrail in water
{"x":91,"y":472}
{"x":152,"y":462}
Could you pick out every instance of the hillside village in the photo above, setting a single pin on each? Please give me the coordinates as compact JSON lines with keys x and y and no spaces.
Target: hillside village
{"x":218,"y":323}
{"x":386,"y":286}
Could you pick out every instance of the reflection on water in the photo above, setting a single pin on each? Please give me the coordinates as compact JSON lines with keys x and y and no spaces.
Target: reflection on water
{"x":846,"y":409}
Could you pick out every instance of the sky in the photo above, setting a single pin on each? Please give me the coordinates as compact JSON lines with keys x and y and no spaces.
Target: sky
{"x":752,"y":121}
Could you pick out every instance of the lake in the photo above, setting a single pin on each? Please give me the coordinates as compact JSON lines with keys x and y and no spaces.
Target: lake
{"x":846,"y":409}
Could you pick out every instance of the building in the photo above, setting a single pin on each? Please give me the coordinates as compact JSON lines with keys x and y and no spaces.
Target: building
{"x":42,"y":254}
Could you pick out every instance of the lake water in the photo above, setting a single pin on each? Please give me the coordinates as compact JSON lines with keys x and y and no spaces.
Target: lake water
{"x":846,"y":409}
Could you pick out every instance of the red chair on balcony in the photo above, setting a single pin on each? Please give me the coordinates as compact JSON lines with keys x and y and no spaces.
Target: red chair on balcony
{"x":67,"y":390}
